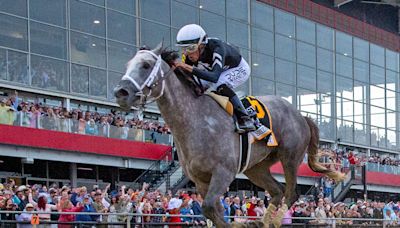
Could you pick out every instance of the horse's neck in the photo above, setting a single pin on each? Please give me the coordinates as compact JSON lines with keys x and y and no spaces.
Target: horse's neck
{"x":177,"y":102}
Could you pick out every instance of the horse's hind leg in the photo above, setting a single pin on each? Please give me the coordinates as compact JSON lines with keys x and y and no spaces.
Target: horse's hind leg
{"x":212,"y":207}
{"x":261,"y":176}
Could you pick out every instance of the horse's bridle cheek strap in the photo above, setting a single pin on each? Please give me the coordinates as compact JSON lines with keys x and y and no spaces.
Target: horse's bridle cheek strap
{"x":150,"y":82}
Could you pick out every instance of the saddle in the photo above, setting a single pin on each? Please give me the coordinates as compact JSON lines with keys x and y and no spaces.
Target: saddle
{"x":258,"y":111}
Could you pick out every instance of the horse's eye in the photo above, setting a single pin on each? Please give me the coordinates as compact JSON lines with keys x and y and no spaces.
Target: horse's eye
{"x":146,"y":66}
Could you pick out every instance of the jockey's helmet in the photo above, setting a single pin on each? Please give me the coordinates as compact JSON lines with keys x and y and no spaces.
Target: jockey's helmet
{"x":190,"y":36}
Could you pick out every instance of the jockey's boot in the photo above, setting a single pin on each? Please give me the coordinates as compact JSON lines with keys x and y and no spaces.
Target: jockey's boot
{"x":244,"y":122}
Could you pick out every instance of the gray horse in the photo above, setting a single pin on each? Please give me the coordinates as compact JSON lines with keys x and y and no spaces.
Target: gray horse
{"x":208,"y":147}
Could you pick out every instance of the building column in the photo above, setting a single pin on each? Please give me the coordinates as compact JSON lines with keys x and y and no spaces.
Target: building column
{"x":73,"y":176}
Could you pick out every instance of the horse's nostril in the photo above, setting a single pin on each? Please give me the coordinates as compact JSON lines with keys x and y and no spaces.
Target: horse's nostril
{"x":121,"y":93}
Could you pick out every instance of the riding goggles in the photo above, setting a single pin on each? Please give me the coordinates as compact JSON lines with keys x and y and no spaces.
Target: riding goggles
{"x":190,"y":48}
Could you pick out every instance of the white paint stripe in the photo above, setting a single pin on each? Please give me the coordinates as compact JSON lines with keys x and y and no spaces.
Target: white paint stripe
{"x":217,"y":62}
{"x":216,"y":55}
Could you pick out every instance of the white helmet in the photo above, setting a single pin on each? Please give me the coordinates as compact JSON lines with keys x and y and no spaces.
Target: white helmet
{"x":191,"y":34}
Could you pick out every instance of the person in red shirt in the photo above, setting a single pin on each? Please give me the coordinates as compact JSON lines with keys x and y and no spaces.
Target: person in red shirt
{"x":352,"y":159}
{"x":251,"y":206}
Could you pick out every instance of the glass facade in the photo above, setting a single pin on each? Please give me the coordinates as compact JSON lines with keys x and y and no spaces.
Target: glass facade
{"x":348,"y":85}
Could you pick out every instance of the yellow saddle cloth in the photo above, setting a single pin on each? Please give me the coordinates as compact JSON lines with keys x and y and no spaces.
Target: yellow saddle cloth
{"x":257,"y":110}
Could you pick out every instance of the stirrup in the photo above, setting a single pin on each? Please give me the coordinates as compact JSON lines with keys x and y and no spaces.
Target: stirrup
{"x":240,"y":130}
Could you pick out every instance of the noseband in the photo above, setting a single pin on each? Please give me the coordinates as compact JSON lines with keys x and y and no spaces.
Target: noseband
{"x":150,"y":83}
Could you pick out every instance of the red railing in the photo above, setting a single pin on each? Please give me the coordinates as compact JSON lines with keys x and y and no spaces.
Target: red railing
{"x":339,"y":21}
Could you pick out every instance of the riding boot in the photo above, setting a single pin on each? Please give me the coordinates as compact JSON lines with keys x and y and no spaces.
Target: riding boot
{"x":245,"y":122}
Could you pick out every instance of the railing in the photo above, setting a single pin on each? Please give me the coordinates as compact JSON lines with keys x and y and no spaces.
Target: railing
{"x":24,"y":119}
{"x":137,"y":220}
{"x":339,"y":21}
{"x":376,"y":167}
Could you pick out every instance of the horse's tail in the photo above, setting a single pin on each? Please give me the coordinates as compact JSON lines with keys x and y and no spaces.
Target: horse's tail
{"x":313,"y":155}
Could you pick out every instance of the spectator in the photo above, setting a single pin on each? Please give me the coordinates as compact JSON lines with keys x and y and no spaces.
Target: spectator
{"x":186,"y":210}
{"x":25,"y":217}
{"x":42,"y":206}
{"x":91,"y":128}
{"x":260,"y":208}
{"x":67,"y":206}
{"x":7,"y":115}
{"x":226,"y":204}
{"x":100,"y":207}
{"x":87,"y":208}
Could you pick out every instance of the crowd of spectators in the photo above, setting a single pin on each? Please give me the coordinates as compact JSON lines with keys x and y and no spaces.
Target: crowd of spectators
{"x":144,"y":203}
{"x":36,"y":115}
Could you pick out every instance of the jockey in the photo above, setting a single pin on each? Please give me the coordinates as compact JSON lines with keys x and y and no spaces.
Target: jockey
{"x":219,"y":66}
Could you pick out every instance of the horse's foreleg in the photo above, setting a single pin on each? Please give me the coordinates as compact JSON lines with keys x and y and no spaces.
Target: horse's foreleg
{"x":212,"y":208}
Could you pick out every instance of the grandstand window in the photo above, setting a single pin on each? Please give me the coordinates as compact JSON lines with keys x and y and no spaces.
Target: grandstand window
{"x":48,"y":40}
{"x":262,"y":41}
{"x":156,"y":10}
{"x":344,"y":87}
{"x":262,"y":66}
{"x":86,"y":171}
{"x":179,"y":19}
{"x":121,"y":27}
{"x":59,"y":170}
{"x":377,"y":55}
{"x":377,"y":76}
{"x":80,"y":79}
{"x":54,"y":16}
{"x":378,"y":116}
{"x":14,"y":32}
{"x":234,"y":37}
{"x":306,"y":77}
{"x":18,"y":67}
{"x":344,"y":65}
{"x":37,"y":169}
{"x":150,"y":38}
{"x":113,"y":79}
{"x":305,"y":30}
{"x":214,"y":24}
{"x":285,"y":71}
{"x":344,"y":109}
{"x":244,"y":88}
{"x":324,"y":82}
{"x":360,"y":112}
{"x":391,"y":139}
{"x":287,"y":92}
{"x":361,"y":49}
{"x":126,"y":6}
{"x":17,"y":7}
{"x":262,"y":87}
{"x":306,"y":54}
{"x":324,"y":37}
{"x":361,"y":71}
{"x":87,"y":49}
{"x":377,"y":96}
{"x":345,"y":130}
{"x":118,"y":55}
{"x":360,"y":91}
{"x":3,"y":64}
{"x":324,"y":59}
{"x":344,"y":44}
{"x":49,"y":73}
{"x":284,"y":23}
{"x":98,"y":82}
{"x":324,"y":104}
{"x":87,"y":18}
{"x":378,"y":136}
{"x":262,"y":15}
{"x":392,"y":80}
{"x":285,"y":48}
{"x":392,"y":60}
{"x":391,"y":100}
{"x":306,"y":101}
{"x":213,"y":6}
{"x":325,"y":125}
{"x":361,"y":135}
{"x":237,"y":9}
{"x":97,"y":2}
{"x":10,"y":166}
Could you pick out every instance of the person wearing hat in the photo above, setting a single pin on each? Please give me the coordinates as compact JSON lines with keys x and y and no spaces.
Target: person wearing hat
{"x":7,"y":113}
{"x":10,"y":206}
{"x":174,"y":207}
{"x":87,"y":207}
{"x":26,"y":216}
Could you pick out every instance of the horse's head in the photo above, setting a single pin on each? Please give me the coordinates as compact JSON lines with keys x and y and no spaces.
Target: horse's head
{"x":143,"y":80}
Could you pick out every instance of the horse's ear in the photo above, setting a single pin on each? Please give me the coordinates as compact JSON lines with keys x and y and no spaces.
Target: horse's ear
{"x":158,"y":49}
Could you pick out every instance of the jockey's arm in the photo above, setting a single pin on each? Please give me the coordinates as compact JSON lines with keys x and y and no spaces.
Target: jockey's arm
{"x":218,"y":62}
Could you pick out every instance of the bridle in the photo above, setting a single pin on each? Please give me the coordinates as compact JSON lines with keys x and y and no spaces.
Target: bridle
{"x":150,"y":83}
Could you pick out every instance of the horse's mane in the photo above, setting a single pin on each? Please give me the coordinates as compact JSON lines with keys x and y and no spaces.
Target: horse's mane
{"x":170,"y":56}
